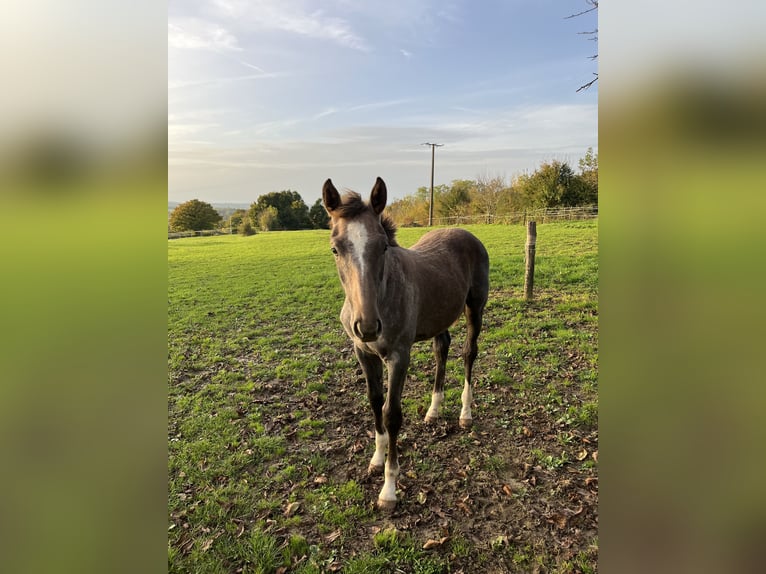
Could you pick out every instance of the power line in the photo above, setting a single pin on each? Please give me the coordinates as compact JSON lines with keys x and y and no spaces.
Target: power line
{"x":431,"y":203}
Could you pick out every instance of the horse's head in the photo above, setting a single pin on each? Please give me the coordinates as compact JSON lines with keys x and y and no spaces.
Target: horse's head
{"x":359,"y":240}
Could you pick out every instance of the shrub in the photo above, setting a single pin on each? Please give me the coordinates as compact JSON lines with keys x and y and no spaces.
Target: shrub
{"x":246,"y":228}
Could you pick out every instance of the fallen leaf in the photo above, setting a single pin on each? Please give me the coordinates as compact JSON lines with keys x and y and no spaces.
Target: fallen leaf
{"x":558,"y":519}
{"x":207,"y":544}
{"x":332,"y":536}
{"x":292,"y":508}
{"x":322,"y":479}
{"x":422,"y":497}
{"x":431,"y":543}
{"x":526,"y":431}
{"x":241,"y":530}
{"x":590,"y":480}
{"x":582,"y":455}
{"x":281,"y":570}
{"x":507,"y":489}
{"x":595,"y":455}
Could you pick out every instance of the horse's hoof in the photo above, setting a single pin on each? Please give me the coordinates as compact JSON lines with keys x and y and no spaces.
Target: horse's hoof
{"x":386,"y":505}
{"x":375,"y":470}
{"x":466,"y":423}
{"x":431,"y":420}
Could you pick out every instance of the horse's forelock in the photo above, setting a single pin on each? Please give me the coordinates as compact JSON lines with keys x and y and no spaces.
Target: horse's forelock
{"x":352,"y":205}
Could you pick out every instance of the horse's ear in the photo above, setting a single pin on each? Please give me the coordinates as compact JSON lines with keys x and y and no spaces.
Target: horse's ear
{"x":378,"y":196}
{"x":330,"y":197}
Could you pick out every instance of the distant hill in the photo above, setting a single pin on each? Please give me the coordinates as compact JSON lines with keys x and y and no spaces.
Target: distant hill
{"x":219,"y":207}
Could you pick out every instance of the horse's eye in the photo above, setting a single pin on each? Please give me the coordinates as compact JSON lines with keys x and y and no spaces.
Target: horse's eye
{"x":334,"y":251}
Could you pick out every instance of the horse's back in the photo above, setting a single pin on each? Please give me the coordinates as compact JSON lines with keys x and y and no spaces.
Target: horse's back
{"x":456,"y":243}
{"x":448,"y":269}
{"x":453,"y":239}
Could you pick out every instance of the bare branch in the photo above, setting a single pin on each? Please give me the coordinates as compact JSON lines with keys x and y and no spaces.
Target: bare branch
{"x":589,"y":84}
{"x":593,"y":36}
{"x":593,"y":3}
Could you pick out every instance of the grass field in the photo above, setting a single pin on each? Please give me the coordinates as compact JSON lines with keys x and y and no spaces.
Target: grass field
{"x":270,"y":433}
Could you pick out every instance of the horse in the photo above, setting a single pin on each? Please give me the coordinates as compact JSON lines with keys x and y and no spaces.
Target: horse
{"x":397,"y":296}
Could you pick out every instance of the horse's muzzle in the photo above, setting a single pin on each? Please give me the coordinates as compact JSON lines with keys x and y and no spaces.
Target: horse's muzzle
{"x":367,"y":333}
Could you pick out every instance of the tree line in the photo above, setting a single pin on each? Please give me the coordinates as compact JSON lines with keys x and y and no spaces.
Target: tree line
{"x":553,"y":184}
{"x":283,"y":210}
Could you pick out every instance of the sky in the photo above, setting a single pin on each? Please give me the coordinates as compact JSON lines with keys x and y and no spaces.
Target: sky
{"x":269,"y":95}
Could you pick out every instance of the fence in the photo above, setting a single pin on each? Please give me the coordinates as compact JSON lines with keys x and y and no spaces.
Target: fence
{"x":545,"y":215}
{"x":206,"y":232}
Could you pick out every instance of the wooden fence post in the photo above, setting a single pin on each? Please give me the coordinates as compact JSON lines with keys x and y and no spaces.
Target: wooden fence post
{"x":529,"y":273}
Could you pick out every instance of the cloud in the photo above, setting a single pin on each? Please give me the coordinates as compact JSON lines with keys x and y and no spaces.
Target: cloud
{"x":175,"y":85}
{"x":290,"y":17}
{"x":379,"y":105}
{"x":327,"y":112}
{"x":405,"y":53}
{"x":195,"y":34}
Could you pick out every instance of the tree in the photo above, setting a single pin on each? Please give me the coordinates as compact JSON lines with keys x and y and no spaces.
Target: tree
{"x":194,"y":215}
{"x":318,"y":215}
{"x":268,"y":218}
{"x":593,"y":36}
{"x":551,"y":185}
{"x":588,"y":177}
{"x":292,"y":212}
{"x":488,"y":195}
{"x":237,"y":217}
{"x":456,"y":200}
{"x":409,"y":211}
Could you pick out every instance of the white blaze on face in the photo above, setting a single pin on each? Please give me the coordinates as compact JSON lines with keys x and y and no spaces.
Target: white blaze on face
{"x":356,"y":233}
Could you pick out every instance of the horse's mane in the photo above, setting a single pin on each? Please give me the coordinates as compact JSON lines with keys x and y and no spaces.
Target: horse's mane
{"x":352,"y":205}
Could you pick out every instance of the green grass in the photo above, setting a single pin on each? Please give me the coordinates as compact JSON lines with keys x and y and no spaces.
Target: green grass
{"x":266,"y":409}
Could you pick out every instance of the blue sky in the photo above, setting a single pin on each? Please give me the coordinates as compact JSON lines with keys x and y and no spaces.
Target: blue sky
{"x":266,"y":95}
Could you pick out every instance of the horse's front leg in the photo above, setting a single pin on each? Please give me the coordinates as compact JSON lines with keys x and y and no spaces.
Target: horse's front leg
{"x":397,"y":363}
{"x":372,"y":367}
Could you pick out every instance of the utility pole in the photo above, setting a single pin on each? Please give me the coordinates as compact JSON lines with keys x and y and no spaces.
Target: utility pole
{"x":431,"y":203}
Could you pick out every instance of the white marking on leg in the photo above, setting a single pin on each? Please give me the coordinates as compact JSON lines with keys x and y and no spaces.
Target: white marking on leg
{"x":436,"y":401}
{"x":388,"y":492}
{"x":467,"y":398}
{"x":381,"y":445}
{"x":356,"y":233}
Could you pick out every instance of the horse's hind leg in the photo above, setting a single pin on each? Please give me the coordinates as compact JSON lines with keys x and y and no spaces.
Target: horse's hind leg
{"x":474,"y":311}
{"x":441,"y":348}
